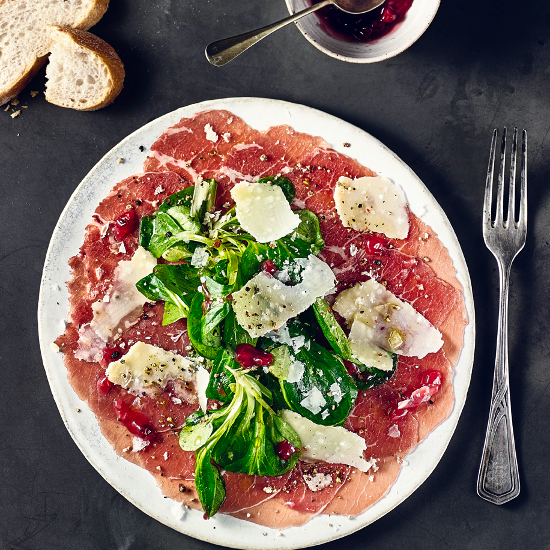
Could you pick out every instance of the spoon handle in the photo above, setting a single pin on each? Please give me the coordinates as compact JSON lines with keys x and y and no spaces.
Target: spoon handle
{"x":223,"y":51}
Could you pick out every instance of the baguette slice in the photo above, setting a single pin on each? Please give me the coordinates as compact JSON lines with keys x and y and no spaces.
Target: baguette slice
{"x":84,"y":72}
{"x":25,"y":40}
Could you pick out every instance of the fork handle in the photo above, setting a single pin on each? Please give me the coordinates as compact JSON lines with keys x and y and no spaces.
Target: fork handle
{"x":498,"y":479}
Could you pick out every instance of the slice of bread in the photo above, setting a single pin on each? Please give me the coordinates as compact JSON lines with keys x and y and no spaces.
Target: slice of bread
{"x":25,"y":39}
{"x":83,"y":72}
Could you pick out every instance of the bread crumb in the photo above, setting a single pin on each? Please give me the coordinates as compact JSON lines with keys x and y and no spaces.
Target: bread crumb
{"x":7,"y":108}
{"x":120,"y":160}
{"x":17,"y":113}
{"x":24,"y":106}
{"x":15,"y":101}
{"x":34,"y":94}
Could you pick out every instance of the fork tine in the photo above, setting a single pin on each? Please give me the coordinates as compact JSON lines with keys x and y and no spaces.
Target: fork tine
{"x":499,"y":217}
{"x":511,"y":218}
{"x":523,"y":190}
{"x":489,"y":182}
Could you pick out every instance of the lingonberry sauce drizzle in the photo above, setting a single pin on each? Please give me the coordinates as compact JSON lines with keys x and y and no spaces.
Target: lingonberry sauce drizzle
{"x":285,"y":449}
{"x":135,"y":422}
{"x":248,"y":356}
{"x":125,"y":224}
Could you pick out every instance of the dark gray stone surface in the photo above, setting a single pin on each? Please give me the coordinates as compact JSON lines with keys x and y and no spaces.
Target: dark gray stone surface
{"x":479,"y":66}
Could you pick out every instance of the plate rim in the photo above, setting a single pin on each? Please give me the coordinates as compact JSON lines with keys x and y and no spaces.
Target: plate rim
{"x":268,"y":538}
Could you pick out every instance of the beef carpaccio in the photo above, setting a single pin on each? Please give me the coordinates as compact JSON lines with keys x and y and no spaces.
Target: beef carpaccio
{"x":217,"y":144}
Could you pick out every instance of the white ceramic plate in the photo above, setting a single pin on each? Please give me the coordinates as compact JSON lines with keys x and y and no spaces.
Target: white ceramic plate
{"x":136,"y":484}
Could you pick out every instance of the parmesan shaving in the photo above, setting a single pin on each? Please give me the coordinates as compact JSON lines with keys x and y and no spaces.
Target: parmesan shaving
{"x":332,"y":444}
{"x":373,"y":203}
{"x":263,"y":210}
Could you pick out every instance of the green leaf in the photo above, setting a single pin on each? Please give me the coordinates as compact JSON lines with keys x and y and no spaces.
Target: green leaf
{"x":162,"y":237}
{"x":194,"y":436}
{"x":209,"y":483}
{"x":214,"y":316}
{"x":177,"y":253}
{"x":194,"y":329}
{"x":172,"y":313}
{"x":178,"y":206}
{"x":221,"y":379}
{"x":173,"y":284}
{"x":281,"y":362}
{"x":331,"y":329}
{"x":304,"y":325}
{"x":370,"y":377}
{"x":182,"y":214}
{"x":217,"y":290}
{"x":306,"y":239}
{"x":249,"y":446}
{"x":284,"y":183}
{"x":181,"y":198}
{"x":325,"y":393}
{"x":146,"y":230}
{"x":204,"y":198}
{"x":234,"y":334}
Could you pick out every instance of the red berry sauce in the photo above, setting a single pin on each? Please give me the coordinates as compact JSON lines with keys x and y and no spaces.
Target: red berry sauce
{"x":431,"y":385}
{"x":269,"y":267}
{"x":368,"y":26}
{"x":109,"y":355}
{"x":134,"y":421}
{"x":248,"y":356}
{"x":352,"y":368}
{"x":125,"y":224}
{"x":285,"y":449}
{"x":104,"y":385}
{"x":374,"y":245}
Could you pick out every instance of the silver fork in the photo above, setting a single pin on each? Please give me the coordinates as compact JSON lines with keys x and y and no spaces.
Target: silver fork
{"x":498,"y":478}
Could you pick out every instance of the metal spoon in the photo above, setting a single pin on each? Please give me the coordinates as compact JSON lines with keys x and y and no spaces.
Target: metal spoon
{"x":223,"y":51}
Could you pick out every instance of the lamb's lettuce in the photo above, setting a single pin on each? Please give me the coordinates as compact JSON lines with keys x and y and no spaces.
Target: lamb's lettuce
{"x":241,"y":437}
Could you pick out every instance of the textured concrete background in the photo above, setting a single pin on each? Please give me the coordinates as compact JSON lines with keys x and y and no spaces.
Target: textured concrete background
{"x":479,"y":66}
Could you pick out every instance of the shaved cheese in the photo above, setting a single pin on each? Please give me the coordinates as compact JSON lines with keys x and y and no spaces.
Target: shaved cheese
{"x":313,"y":400}
{"x":263,"y":210}
{"x":332,"y":444}
{"x":202,"y":377}
{"x":360,"y":342}
{"x":123,"y":307}
{"x":148,"y":368}
{"x":264,"y":303}
{"x":386,"y":321}
{"x":373,"y":203}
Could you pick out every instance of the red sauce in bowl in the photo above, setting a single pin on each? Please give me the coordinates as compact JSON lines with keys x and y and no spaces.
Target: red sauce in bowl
{"x":368,"y":26}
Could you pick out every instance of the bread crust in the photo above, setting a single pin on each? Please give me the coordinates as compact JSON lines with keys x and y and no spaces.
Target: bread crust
{"x":35,"y":61}
{"x":20,"y":84}
{"x":106,"y":54}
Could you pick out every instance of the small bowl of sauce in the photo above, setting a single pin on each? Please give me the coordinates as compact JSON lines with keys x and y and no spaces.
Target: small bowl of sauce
{"x":370,"y":37}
